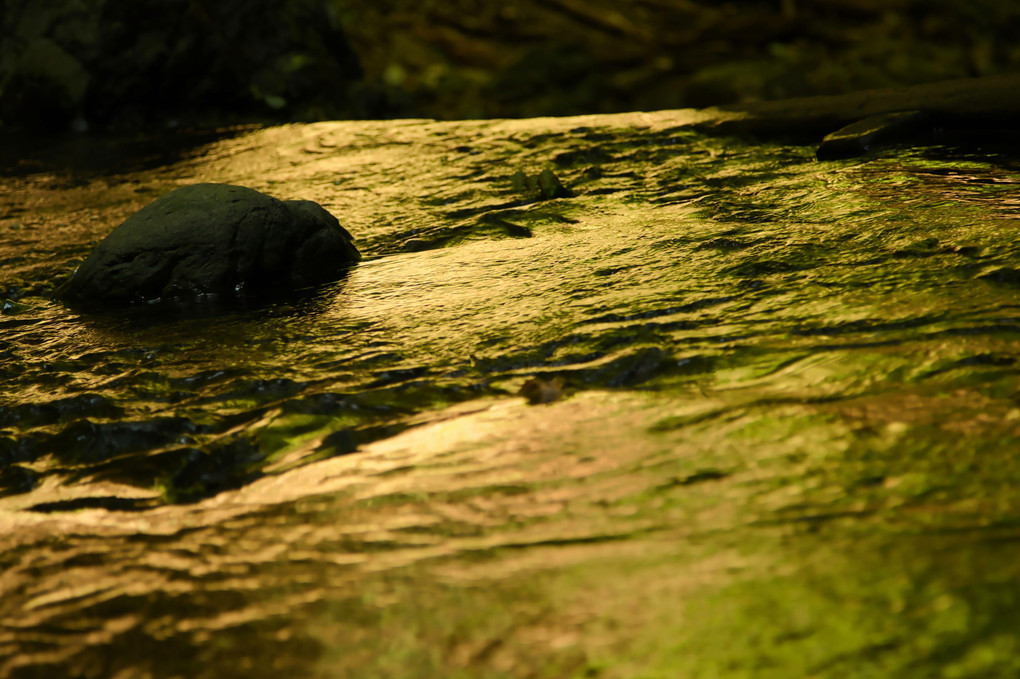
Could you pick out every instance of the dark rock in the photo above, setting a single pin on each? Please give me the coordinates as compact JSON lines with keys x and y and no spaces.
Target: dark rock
{"x":543,"y":186}
{"x":986,"y":103}
{"x":212,"y":240}
{"x":1000,"y":274}
{"x":550,"y":187}
{"x":127,"y":64}
{"x":862,"y":136}
{"x":538,"y":390}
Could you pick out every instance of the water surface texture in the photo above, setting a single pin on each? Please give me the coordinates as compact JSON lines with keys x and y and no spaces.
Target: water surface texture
{"x":780,"y":439}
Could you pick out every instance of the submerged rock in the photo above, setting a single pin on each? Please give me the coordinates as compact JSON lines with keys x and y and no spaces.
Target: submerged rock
{"x":538,"y":390}
{"x":542,"y":186}
{"x":858,"y":138}
{"x":212,"y":240}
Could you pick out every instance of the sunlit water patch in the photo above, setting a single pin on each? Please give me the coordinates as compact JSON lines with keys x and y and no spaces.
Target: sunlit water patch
{"x":778,"y":434}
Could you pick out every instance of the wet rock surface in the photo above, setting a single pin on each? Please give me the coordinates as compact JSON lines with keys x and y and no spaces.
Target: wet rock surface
{"x":212,"y":241}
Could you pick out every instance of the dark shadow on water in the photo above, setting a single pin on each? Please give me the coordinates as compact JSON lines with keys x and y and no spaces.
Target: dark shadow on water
{"x":89,"y":154}
{"x":108,"y":503}
{"x":264,"y":305}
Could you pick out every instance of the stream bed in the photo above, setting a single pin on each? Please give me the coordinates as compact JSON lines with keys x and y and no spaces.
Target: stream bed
{"x":779,"y":437}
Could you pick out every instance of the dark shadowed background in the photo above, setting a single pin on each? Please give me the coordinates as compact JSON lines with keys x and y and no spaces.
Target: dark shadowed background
{"x":103,"y":64}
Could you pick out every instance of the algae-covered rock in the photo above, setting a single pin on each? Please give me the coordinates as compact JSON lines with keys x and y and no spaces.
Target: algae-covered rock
{"x":543,"y":186}
{"x":212,"y":240}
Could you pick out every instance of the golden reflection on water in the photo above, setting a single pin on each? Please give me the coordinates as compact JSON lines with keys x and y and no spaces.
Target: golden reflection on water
{"x":786,"y":442}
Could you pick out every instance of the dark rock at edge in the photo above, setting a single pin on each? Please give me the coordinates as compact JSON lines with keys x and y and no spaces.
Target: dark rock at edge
{"x":864,"y":135}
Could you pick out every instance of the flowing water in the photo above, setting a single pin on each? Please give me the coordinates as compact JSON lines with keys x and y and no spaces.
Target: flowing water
{"x":780,"y":439}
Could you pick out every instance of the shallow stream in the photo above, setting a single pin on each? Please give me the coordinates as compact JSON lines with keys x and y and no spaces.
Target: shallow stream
{"x":781,"y":437}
